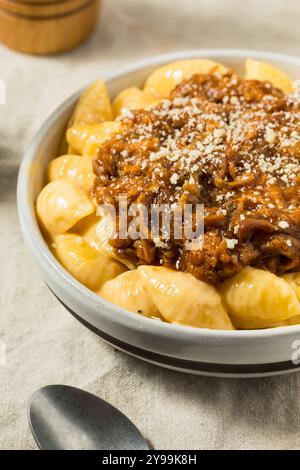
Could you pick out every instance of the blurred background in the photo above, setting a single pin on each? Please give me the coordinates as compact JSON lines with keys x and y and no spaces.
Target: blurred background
{"x":131,"y":29}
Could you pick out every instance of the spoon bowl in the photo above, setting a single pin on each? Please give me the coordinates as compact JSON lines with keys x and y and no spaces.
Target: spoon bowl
{"x":67,"y":418}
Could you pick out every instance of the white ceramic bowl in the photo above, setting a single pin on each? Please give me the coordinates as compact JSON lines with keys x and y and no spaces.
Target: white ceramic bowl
{"x":200,"y":351}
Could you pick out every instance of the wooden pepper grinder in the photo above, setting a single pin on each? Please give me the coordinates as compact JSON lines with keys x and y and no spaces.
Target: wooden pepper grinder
{"x":46,"y":26}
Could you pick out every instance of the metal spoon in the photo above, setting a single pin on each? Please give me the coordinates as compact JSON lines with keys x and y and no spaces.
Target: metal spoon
{"x":63,"y":417}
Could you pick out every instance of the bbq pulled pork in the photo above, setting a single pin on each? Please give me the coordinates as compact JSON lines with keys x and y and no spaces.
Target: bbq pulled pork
{"x":230,"y":144}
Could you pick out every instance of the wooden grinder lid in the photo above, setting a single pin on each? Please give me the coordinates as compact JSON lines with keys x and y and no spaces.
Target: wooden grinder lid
{"x":46,"y":26}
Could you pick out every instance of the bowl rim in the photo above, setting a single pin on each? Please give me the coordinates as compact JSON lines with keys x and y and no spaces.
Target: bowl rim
{"x":37,"y":244}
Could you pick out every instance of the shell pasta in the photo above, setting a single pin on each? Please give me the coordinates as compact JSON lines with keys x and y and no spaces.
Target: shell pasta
{"x":195,"y":133}
{"x":61,"y":204}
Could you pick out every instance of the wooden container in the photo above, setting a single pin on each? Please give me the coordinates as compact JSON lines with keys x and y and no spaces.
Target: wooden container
{"x":46,"y":26}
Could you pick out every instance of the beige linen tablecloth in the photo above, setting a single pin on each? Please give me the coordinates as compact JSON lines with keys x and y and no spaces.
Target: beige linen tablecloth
{"x":44,"y":343}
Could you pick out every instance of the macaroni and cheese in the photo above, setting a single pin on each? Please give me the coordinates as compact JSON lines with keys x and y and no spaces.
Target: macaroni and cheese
{"x":195,"y":134}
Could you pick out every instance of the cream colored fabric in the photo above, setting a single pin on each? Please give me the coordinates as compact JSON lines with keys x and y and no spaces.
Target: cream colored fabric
{"x":45,"y":344}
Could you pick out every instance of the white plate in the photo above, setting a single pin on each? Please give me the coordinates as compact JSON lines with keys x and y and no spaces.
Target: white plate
{"x":201,"y":351}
